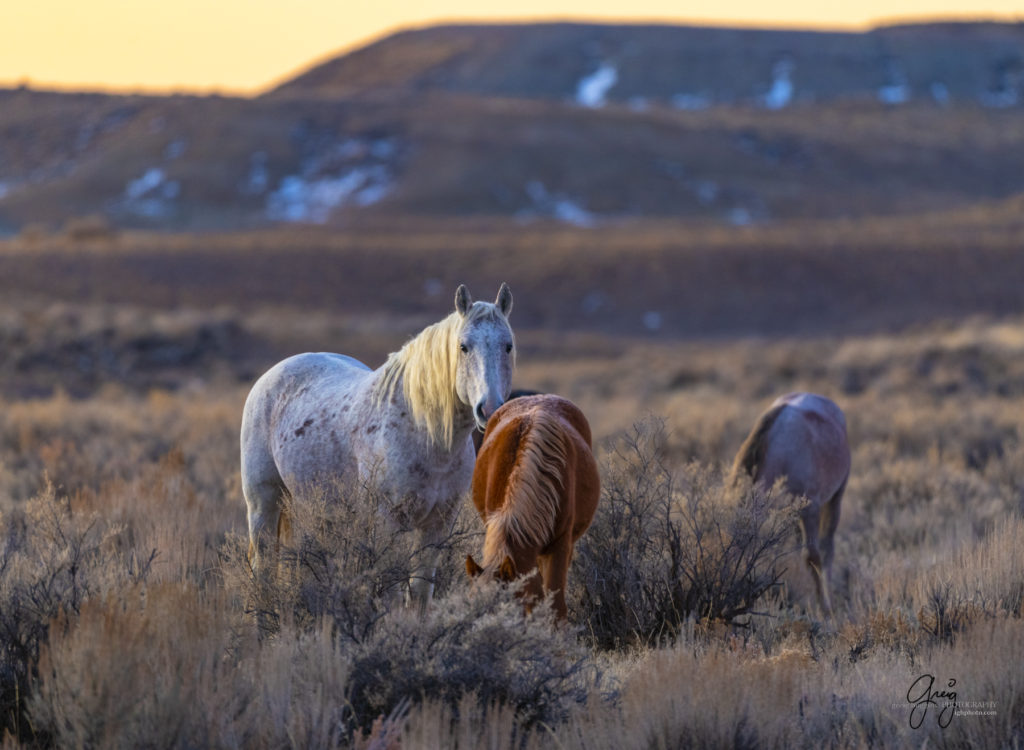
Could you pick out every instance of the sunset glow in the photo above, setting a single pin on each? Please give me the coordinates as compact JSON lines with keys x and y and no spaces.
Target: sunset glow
{"x":237,"y":46}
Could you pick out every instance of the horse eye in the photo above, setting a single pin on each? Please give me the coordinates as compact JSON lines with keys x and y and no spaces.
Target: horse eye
{"x":464,"y":348}
{"x":508,"y":348}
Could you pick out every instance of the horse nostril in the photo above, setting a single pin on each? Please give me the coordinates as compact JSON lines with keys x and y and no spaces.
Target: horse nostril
{"x":480,"y":416}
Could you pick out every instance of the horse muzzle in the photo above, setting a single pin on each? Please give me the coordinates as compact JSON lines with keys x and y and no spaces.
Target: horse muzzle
{"x":483,"y":411}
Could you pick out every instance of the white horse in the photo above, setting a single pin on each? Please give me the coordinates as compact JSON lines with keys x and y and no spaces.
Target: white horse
{"x":323,"y":419}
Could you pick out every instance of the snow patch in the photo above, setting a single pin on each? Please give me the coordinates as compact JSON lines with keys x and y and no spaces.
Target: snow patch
{"x":351,"y":172}
{"x":149,"y":181}
{"x":781,"y":92}
{"x":740,"y":217}
{"x":896,"y":90}
{"x":573,"y":213}
{"x":592,"y":90}
{"x":258,"y":179}
{"x":707,"y":191}
{"x":383,"y":148}
{"x":652,"y":320}
{"x":152,"y":194}
{"x":896,"y":93}
{"x":301,"y":199}
{"x":556,"y":206}
{"x":374,"y":192}
{"x":939,"y":92}
{"x":175,"y":149}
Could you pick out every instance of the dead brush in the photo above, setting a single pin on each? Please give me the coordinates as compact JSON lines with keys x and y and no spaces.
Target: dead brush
{"x":343,"y":558}
{"x":342,"y":573}
{"x":52,"y":560}
{"x":669,"y":545}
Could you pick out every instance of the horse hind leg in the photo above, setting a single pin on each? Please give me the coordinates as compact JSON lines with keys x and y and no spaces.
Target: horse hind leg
{"x":556,"y":575}
{"x":264,"y":502}
{"x":827,"y":529}
{"x":811,"y":520}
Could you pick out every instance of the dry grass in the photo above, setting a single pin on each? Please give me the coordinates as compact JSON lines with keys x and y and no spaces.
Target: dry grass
{"x":127,"y":612}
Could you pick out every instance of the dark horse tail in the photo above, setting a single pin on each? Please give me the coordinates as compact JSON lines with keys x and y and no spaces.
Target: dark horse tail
{"x":751,"y":454}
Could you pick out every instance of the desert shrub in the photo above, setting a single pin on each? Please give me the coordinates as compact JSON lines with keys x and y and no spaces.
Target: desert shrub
{"x":344,"y":560}
{"x":984,"y":581}
{"x":473,"y":642}
{"x":51,"y":561}
{"x":34,"y":233}
{"x":171,"y":666}
{"x":145,"y":667}
{"x":665,"y":546}
{"x":344,"y":573}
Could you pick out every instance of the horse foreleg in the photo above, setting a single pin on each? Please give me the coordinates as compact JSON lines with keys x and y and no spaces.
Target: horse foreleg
{"x":431,"y":534}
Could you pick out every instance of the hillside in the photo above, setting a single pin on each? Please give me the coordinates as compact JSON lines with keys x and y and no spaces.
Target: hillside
{"x":586,"y":125}
{"x":687,"y":67}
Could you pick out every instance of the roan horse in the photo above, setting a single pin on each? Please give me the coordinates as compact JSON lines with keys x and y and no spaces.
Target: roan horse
{"x":802,"y":439}
{"x":320,"y":419}
{"x":536,"y":487}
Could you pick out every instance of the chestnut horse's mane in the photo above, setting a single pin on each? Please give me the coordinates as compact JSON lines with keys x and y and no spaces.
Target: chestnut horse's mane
{"x":533,"y":493}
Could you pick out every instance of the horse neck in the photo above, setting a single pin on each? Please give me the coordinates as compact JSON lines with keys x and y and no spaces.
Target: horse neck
{"x":389,"y":392}
{"x":498,"y":545}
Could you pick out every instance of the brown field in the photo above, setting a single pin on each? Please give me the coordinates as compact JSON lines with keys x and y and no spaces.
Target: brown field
{"x":128,"y":617}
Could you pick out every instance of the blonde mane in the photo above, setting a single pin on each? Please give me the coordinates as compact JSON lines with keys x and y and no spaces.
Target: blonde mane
{"x":426,"y":367}
{"x":533,"y":494}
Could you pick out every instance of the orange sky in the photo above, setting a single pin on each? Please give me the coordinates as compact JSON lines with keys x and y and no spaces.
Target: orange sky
{"x":243,"y":46}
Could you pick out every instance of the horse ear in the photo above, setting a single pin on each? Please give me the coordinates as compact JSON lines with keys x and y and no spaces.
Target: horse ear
{"x":462,"y":300}
{"x":504,"y":299}
{"x":507,"y":571}
{"x":472,"y":568}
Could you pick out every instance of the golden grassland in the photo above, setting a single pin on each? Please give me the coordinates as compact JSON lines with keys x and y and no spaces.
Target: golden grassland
{"x":130,"y":619}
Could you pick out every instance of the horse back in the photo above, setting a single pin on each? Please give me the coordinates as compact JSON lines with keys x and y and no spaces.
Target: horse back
{"x":548,"y":404}
{"x":286,"y":411}
{"x":544,"y":425}
{"x":805,"y":442}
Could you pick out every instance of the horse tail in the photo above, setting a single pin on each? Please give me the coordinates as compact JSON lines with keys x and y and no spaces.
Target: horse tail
{"x":751,"y":454}
{"x":533,"y":492}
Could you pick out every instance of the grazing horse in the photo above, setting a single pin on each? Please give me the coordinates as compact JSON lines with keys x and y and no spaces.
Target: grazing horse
{"x":478,"y":435}
{"x":802,"y":438}
{"x":536,"y":488}
{"x":320,"y":419}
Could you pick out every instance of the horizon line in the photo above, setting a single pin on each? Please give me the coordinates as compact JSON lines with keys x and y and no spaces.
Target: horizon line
{"x":215,"y":90}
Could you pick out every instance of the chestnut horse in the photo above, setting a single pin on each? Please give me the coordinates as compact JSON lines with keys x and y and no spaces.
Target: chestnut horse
{"x":478,"y":435}
{"x":802,"y":438}
{"x":536,"y":487}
